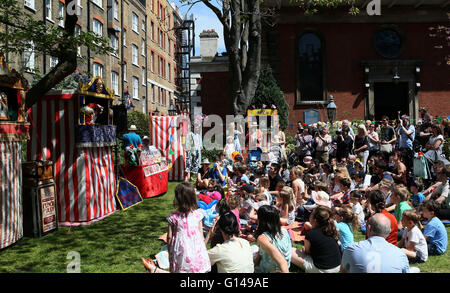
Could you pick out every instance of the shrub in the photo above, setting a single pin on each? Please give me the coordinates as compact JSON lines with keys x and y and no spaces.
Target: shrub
{"x":211,"y":155}
{"x":141,"y":121}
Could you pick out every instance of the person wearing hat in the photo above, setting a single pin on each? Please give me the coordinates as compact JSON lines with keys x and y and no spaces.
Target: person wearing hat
{"x":204,"y":175}
{"x":131,"y":138}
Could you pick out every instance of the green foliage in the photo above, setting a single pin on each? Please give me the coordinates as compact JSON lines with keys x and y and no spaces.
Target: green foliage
{"x":290,"y":139}
{"x":141,"y":121}
{"x":211,"y":155}
{"x":312,"y":6}
{"x":446,"y":148}
{"x":47,"y":39}
{"x":268,"y":93}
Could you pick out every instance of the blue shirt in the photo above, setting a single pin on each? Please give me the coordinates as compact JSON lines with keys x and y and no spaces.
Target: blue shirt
{"x":404,"y":140}
{"x":416,"y":199}
{"x":374,"y":255}
{"x":345,"y":234}
{"x":216,"y":176}
{"x":437,"y":234}
{"x":131,"y":138}
{"x":245,"y":179}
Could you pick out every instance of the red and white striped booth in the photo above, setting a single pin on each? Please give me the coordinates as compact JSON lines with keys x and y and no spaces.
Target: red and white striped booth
{"x":13,"y":130}
{"x":82,"y":151}
{"x":166,"y":134}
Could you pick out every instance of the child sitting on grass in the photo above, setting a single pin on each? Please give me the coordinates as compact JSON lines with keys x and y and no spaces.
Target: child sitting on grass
{"x":413,"y":242}
{"x":399,"y":197}
{"x":185,"y":242}
{"x":286,"y":206}
{"x":417,"y":196}
{"x":434,"y":232}
{"x":346,"y":221}
{"x":276,"y":192}
{"x":343,"y":197}
{"x":264,"y":188}
{"x":355,"y":202}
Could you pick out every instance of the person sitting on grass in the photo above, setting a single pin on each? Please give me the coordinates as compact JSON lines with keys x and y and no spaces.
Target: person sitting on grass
{"x":375,"y":255}
{"x":185,"y":242}
{"x":233,"y":255}
{"x":416,"y":188}
{"x":345,"y":222}
{"x":413,"y":242}
{"x":298,"y":185}
{"x":286,"y":206}
{"x":434,"y":232}
{"x":343,"y":197}
{"x":377,"y":205}
{"x":204,"y":175}
{"x":275,"y":245}
{"x":321,"y":252}
{"x":264,"y":188}
{"x":219,"y":172}
{"x":247,"y":192}
{"x":441,"y":193}
{"x":355,"y":202}
{"x":399,"y":197}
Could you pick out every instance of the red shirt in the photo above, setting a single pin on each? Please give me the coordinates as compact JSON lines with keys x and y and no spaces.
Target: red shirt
{"x":392,"y":237}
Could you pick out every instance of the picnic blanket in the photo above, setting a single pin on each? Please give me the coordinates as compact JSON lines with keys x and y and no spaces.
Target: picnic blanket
{"x":296,"y":231}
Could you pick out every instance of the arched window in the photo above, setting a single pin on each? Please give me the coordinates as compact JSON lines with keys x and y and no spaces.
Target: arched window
{"x":310,"y":69}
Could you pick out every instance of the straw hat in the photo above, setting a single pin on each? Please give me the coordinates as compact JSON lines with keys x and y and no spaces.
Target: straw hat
{"x":321,"y":198}
{"x":205,"y":162}
{"x":132,"y":127}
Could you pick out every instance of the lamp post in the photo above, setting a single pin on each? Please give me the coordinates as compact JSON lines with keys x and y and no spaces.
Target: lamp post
{"x":331,"y":110}
{"x":172,"y":110}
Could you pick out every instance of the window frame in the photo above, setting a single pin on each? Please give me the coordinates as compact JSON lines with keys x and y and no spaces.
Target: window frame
{"x":100,"y":25}
{"x":48,"y":10}
{"x":133,"y":79}
{"x":113,"y":84}
{"x":61,"y":17}
{"x":30,"y":4}
{"x":134,"y":57}
{"x":133,"y":23}
{"x":31,"y":58}
{"x":100,"y":67}
{"x":298,"y":100}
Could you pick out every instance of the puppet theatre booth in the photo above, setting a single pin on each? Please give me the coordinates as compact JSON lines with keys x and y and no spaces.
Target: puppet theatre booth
{"x":74,"y":129}
{"x":147,"y":170}
{"x":13,"y":130}
{"x":167,"y":134}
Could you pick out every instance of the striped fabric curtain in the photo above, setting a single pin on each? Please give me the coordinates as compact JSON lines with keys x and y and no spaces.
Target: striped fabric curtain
{"x":11,"y":213}
{"x":84,"y":177}
{"x":162,"y":129}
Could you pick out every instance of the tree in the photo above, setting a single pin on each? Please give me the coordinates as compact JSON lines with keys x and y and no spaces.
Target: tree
{"x":23,"y":33}
{"x":268,"y":93}
{"x":242,"y":29}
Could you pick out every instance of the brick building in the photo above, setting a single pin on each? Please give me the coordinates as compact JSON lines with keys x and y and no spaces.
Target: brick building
{"x":372,"y":65}
{"x":141,"y":31}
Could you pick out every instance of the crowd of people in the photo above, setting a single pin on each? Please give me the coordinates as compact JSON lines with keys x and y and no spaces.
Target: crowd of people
{"x":361,"y":181}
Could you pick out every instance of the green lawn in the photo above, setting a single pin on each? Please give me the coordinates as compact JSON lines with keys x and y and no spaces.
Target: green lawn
{"x":117,"y":243}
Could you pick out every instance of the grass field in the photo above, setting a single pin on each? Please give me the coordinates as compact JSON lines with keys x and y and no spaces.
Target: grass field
{"x":117,"y":243}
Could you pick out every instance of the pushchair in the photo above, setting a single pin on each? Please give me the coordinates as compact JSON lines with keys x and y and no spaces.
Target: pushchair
{"x":254,"y":156}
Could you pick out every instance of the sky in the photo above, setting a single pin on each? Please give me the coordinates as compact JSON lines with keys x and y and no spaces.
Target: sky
{"x":204,"y":19}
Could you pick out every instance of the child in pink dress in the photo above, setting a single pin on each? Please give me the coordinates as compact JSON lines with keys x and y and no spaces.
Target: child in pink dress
{"x":185,"y":242}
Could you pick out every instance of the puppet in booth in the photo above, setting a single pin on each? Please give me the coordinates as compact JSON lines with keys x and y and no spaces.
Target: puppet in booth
{"x":3,"y":106}
{"x":92,"y":112}
{"x":132,"y":155}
